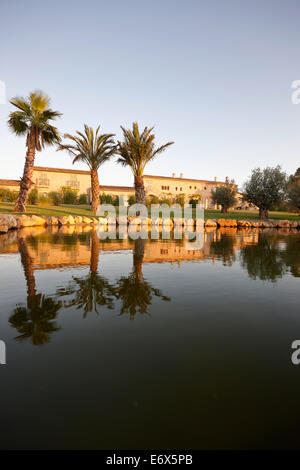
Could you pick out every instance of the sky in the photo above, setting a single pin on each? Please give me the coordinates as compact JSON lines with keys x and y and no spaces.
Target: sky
{"x":213,"y":76}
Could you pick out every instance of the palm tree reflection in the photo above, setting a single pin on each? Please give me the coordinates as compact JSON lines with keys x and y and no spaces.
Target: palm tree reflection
{"x":35,"y":320}
{"x":92,"y":290}
{"x":135,"y":291}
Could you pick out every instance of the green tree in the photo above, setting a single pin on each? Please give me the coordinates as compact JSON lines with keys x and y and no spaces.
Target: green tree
{"x":225,"y":196}
{"x":136,"y":150}
{"x":265,"y":188}
{"x":33,"y":120}
{"x":294,"y":195}
{"x":94,"y":150}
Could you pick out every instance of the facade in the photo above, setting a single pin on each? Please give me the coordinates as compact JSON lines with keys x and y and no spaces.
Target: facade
{"x":47,"y":179}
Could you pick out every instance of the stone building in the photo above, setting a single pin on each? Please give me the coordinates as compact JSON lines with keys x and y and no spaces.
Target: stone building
{"x":47,"y":179}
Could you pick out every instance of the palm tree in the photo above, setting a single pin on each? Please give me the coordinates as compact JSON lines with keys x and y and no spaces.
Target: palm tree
{"x":93,"y":149}
{"x":35,"y":320}
{"x":136,"y":151}
{"x":33,"y":120}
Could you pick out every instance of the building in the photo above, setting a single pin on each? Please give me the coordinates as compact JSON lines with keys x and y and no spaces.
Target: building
{"x":47,"y":179}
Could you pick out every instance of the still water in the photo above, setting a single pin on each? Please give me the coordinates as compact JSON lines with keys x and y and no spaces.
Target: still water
{"x":149,"y":344}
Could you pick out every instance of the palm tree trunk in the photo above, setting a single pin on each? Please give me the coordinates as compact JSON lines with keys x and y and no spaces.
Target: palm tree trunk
{"x":26,"y":181}
{"x":27,"y":263}
{"x":95,"y":189}
{"x":140,"y":195}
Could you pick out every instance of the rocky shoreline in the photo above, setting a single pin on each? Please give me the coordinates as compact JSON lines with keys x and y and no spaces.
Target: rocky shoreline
{"x":14,"y":222}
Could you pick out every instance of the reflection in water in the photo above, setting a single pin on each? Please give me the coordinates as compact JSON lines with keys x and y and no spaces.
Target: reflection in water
{"x":265,"y":255}
{"x":92,"y":290}
{"x":272,"y":256}
{"x":134,"y":290}
{"x":35,"y":320}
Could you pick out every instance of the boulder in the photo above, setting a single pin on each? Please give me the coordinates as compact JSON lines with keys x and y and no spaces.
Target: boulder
{"x":145,"y":221}
{"x":52,"y":221}
{"x":189,"y":223}
{"x":244,"y":223}
{"x":78,"y":219}
{"x":122,"y":220}
{"x":211,"y":223}
{"x":7,"y":222}
{"x":200,"y":223}
{"x":111,"y":220}
{"x":156,"y":221}
{"x":86,"y":220}
{"x":167,"y":222}
{"x":66,"y":220}
{"x":102,"y":221}
{"x":227,"y":222}
{"x":178,"y":221}
{"x":268,"y":223}
{"x":294,"y":224}
{"x":283,"y":223}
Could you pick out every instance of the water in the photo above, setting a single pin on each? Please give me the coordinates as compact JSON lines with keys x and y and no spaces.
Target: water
{"x":139,"y":344}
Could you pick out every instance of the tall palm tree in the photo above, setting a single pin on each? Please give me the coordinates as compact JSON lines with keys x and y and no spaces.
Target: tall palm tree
{"x":33,"y":120}
{"x":93,"y":149}
{"x":136,"y":151}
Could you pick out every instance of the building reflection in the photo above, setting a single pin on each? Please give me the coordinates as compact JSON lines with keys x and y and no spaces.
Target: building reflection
{"x":265,"y":255}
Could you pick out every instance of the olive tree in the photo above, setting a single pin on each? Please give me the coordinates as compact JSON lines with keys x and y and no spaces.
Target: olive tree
{"x":224,"y":196}
{"x":266,"y":188}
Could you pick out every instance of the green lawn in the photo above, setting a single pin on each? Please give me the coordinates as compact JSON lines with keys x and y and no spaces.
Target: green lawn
{"x":65,"y":209}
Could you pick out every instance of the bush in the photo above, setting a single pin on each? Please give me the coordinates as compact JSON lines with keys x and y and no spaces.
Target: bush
{"x":69,"y":195}
{"x":106,"y":199}
{"x":83,"y":199}
{"x":6,"y":195}
{"x":44,"y":200}
{"x":33,"y":197}
{"x":55,"y":198}
{"x":131,"y":200}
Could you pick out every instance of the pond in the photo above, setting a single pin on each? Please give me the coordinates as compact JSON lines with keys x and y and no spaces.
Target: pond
{"x":122,"y":344}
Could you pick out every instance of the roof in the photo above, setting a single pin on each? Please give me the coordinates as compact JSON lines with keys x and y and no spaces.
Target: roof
{"x":182,"y":179}
{"x":116,"y":188}
{"x":9,"y":182}
{"x":61,"y":170}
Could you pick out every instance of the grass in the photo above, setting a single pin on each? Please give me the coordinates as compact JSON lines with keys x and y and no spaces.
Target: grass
{"x":84,"y":210}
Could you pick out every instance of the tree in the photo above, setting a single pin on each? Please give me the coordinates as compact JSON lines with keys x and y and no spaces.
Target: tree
{"x":33,"y":120}
{"x":294,"y":195}
{"x":265,"y":188}
{"x":136,"y":150}
{"x":225,"y":196}
{"x":93,"y":149}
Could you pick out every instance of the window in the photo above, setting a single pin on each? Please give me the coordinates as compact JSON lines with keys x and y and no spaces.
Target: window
{"x":180,"y":189}
{"x":165,"y":188}
{"x":205,"y":187}
{"x":176,"y":188}
{"x":190,"y":187}
{"x":73,"y":183}
{"x":195,"y":187}
{"x":42,"y":180}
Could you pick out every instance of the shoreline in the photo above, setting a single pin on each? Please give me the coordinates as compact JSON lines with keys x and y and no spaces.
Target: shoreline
{"x":10,"y":222}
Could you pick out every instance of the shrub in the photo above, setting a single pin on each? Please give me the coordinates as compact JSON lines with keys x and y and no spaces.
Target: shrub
{"x":33,"y":197}
{"x":83,"y":199}
{"x":7,"y":195}
{"x":106,"y":199}
{"x":55,"y":198}
{"x":69,"y":195}
{"x":131,"y":200}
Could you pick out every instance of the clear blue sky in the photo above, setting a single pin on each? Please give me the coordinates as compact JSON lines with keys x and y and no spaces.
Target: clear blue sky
{"x":214,"y":76}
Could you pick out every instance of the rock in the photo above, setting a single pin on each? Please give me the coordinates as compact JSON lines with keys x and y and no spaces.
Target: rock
{"x":178,"y":222}
{"x":283,"y":223}
{"x":8,"y":222}
{"x":167,"y":222}
{"x":244,"y":223}
{"x":3,"y":228}
{"x":189,"y":222}
{"x":200,"y":223}
{"x":294,"y":224}
{"x":211,"y":223}
{"x":145,"y":221}
{"x":268,"y":224}
{"x":52,"y":221}
{"x":86,"y":220}
{"x":156,"y":221}
{"x":94,"y":220}
{"x":134,"y":220}
{"x":78,"y":219}
{"x":66,"y":220}
{"x":122,"y":220}
{"x":102,"y":221}
{"x":227,"y":223}
{"x":111,"y":220}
